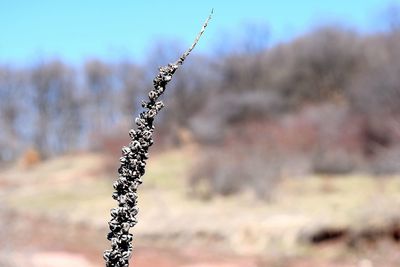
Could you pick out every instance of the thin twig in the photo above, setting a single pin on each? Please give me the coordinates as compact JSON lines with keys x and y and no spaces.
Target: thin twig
{"x":183,"y":57}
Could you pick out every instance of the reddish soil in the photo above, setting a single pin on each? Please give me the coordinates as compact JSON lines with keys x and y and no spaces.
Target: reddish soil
{"x":41,"y":242}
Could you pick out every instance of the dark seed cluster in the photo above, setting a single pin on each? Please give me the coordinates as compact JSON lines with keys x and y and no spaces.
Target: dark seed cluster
{"x":133,"y":163}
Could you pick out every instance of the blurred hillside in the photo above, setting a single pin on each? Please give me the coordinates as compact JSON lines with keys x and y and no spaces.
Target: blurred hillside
{"x":325,"y":102}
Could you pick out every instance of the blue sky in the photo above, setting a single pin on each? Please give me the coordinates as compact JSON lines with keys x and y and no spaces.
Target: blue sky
{"x":75,"y":30}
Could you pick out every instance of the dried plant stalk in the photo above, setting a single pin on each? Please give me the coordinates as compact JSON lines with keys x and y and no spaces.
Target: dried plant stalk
{"x":133,"y":162}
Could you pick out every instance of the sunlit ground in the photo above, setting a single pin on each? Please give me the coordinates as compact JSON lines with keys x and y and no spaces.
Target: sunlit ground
{"x":61,"y":207}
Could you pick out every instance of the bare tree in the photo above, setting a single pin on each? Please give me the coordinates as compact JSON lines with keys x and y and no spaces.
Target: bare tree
{"x":12,"y":84}
{"x":98,"y":77}
{"x":131,"y":79}
{"x":52,"y":85}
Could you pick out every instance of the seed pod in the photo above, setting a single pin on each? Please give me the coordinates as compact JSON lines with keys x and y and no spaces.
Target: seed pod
{"x":152,"y":113}
{"x":126,"y":150}
{"x":152,"y":95}
{"x":132,"y":133}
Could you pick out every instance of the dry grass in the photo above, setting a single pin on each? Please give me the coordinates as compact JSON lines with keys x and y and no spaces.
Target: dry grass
{"x":75,"y":187}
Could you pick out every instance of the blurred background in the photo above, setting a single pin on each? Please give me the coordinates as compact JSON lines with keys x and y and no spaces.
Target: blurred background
{"x":279,"y":144}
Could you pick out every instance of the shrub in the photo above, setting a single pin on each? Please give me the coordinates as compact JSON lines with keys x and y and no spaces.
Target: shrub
{"x":235,"y":168}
